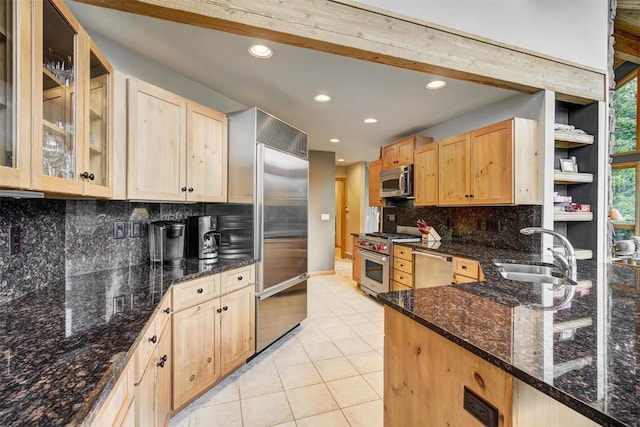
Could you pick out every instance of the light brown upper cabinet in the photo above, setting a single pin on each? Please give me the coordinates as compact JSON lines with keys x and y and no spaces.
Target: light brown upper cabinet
{"x":375,"y":168}
{"x":401,"y":152}
{"x":73,"y":126}
{"x":425,"y":176}
{"x":493,"y":165}
{"x":15,"y":94}
{"x":177,"y":149}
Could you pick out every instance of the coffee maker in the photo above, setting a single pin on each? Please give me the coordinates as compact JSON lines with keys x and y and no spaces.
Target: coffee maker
{"x":203,"y":241}
{"x":166,"y":243}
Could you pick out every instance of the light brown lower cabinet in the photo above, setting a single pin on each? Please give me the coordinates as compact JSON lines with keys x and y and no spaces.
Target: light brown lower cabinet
{"x":425,"y":377}
{"x":182,"y":353}
{"x":214,"y":337}
{"x":196,"y":357}
{"x":466,"y":271}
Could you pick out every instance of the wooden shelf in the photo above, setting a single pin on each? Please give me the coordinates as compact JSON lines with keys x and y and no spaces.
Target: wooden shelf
{"x":53,"y":127}
{"x":572,"y":216}
{"x":94,"y":114}
{"x":50,"y":80}
{"x":94,"y":149}
{"x":560,"y":177}
{"x":566,"y":139}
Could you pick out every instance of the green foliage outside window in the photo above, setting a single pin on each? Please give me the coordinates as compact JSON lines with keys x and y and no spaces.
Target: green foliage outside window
{"x":623,"y":181}
{"x":624,"y":103}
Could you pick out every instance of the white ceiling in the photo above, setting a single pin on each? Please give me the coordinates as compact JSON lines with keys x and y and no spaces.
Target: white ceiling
{"x":285,"y":84}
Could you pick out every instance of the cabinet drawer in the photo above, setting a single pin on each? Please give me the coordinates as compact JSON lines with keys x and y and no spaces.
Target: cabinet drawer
{"x":466,"y":267}
{"x":402,"y":252}
{"x":403,"y":265}
{"x":397,"y":286}
{"x":164,"y":310}
{"x":459,"y":278}
{"x":147,"y":343}
{"x":237,"y":278}
{"x":195,"y":292}
{"x":402,"y":277}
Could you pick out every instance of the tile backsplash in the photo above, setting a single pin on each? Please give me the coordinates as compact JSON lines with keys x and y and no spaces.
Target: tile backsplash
{"x":63,"y":238}
{"x":495,"y":226}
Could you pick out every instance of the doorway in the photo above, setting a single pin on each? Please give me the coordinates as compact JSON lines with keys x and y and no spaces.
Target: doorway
{"x":340,"y":217}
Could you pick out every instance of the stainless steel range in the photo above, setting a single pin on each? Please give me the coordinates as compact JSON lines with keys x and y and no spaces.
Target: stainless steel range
{"x":376,"y":256}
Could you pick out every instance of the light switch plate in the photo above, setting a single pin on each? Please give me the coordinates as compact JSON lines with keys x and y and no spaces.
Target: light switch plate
{"x":325,"y":217}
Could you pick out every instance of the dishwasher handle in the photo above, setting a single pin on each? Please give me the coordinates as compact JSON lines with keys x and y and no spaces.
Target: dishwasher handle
{"x":445,"y":258}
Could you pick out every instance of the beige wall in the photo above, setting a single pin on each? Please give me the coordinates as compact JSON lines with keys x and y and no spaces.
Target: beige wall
{"x":355,"y":200}
{"x":321,"y":201}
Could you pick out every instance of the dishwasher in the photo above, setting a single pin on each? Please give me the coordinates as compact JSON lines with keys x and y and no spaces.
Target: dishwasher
{"x":431,"y":269}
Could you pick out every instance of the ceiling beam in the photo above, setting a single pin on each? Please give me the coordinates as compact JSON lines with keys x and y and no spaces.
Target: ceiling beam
{"x":628,"y":4}
{"x":339,"y":28}
{"x":627,"y":46}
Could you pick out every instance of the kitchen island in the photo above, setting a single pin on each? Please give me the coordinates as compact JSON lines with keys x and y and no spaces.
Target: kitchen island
{"x":578,"y":361}
{"x":62,"y":347}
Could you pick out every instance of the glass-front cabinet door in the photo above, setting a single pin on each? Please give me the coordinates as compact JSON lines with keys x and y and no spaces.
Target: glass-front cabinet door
{"x":15,"y":95}
{"x":96,"y":172}
{"x":56,"y":138}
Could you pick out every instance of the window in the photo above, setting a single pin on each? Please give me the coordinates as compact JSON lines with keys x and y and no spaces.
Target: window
{"x":625,"y":104}
{"x":626,"y":159}
{"x":624,"y":181}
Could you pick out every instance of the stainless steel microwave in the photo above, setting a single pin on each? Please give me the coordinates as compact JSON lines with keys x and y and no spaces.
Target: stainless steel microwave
{"x":397,"y":182}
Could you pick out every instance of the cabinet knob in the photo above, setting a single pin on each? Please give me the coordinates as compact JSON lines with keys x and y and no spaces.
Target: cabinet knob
{"x":167,"y":310}
{"x":153,"y":339}
{"x":208,"y":359}
{"x":200,"y":290}
{"x":225,"y":308}
{"x":239,"y":277}
{"x":87,"y":175}
{"x":190,"y":189}
{"x":183,"y":189}
{"x":219,"y":310}
{"x":192,"y":377}
{"x":162,"y":361}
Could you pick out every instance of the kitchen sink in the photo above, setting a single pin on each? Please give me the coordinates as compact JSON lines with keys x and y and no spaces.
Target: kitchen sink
{"x":555,"y":280}
{"x":524,"y":271}
{"x":528,"y":268}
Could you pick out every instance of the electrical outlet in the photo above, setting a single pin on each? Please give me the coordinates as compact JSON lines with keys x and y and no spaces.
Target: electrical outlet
{"x":119,"y":230}
{"x":15,"y":240}
{"x":135,"y":229}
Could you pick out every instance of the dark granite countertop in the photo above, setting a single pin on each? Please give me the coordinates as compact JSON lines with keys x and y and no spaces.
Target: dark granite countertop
{"x":585,"y":355}
{"x":61,"y":346}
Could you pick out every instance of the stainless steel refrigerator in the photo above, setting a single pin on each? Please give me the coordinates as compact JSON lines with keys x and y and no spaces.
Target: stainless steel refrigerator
{"x":269,"y":168}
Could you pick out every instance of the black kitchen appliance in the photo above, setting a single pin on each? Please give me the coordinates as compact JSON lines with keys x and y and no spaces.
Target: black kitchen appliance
{"x":203,"y":241}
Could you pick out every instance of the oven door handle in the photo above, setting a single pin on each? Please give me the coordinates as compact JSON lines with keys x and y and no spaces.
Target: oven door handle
{"x":373,"y":255}
{"x":428,"y":255}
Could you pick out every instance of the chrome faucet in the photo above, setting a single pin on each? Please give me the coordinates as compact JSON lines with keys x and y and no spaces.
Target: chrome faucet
{"x":568,"y":261}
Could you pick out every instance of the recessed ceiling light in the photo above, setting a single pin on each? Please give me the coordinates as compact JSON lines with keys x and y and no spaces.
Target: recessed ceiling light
{"x":322,"y":98}
{"x":341,"y":160}
{"x":334,"y":140}
{"x":260,"y":51}
{"x":436,"y":84}
{"x":371,"y":120}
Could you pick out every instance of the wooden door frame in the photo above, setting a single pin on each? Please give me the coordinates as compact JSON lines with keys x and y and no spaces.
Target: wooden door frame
{"x":342,"y":219}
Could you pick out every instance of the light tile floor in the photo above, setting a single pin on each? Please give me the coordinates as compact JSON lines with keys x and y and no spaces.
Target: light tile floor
{"x":325,"y":373}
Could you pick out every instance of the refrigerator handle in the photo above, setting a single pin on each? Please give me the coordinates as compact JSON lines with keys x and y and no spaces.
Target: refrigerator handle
{"x":259,"y":206}
{"x":282,"y":286}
